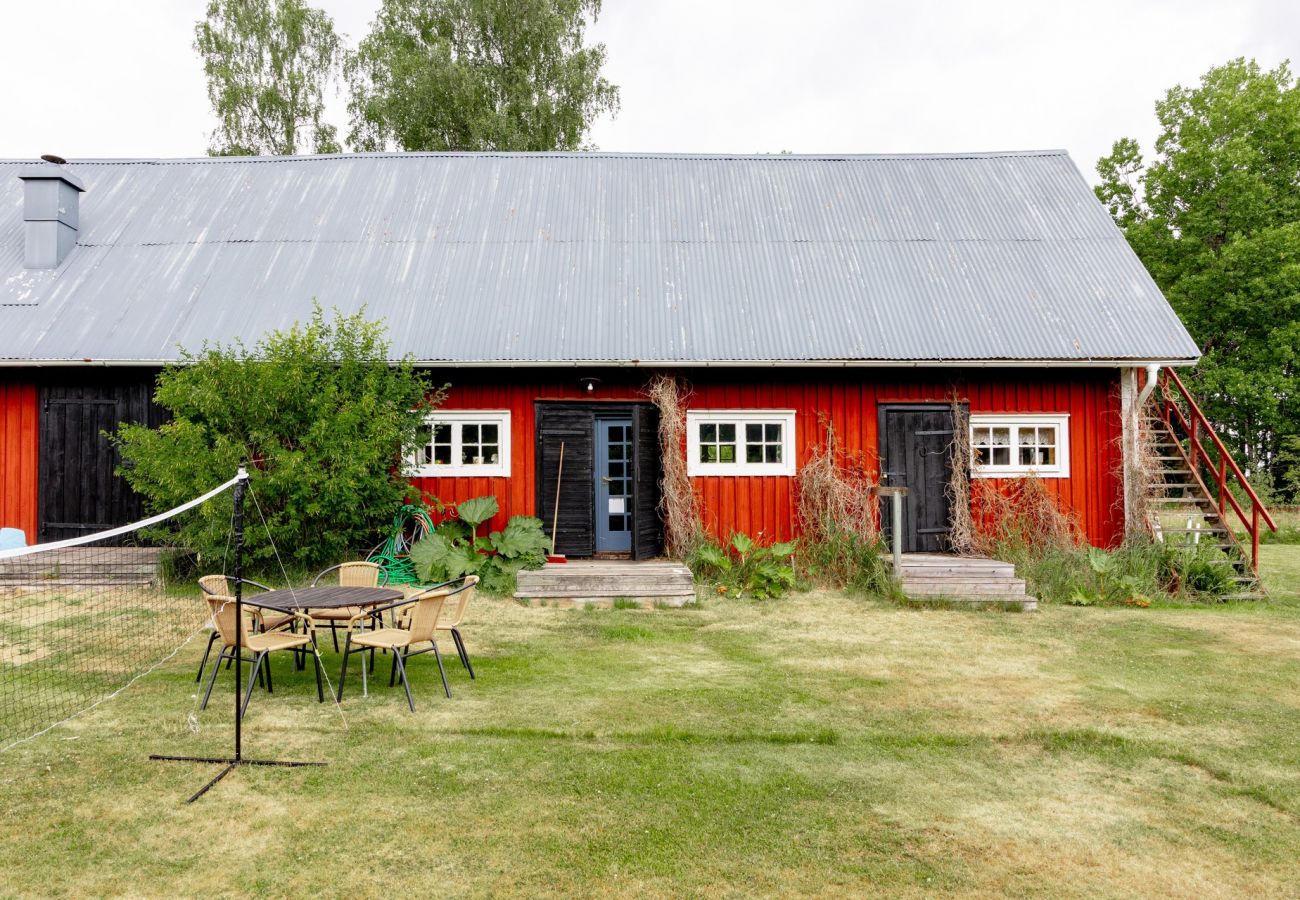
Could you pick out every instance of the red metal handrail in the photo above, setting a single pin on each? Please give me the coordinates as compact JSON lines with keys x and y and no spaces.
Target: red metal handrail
{"x":1220,"y":469}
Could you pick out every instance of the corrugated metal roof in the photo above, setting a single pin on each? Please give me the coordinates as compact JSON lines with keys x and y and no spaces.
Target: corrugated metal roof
{"x":595,"y":257}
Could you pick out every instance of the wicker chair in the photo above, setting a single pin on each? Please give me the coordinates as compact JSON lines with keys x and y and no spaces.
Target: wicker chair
{"x":351,"y":574}
{"x":260,"y":644}
{"x":222,"y":586}
{"x":421,"y":627}
{"x":453,"y":615}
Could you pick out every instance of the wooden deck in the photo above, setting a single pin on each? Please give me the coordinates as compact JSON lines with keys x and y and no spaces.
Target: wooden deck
{"x":599,"y":582}
{"x":964,"y":579}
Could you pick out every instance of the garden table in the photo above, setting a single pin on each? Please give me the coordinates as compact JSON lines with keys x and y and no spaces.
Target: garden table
{"x":328,"y":597}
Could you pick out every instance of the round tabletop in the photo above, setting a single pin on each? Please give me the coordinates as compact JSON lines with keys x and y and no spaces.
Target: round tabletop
{"x":324,"y":597}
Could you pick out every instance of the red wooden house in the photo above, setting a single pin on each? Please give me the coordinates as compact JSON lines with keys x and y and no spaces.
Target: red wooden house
{"x":789,"y":291}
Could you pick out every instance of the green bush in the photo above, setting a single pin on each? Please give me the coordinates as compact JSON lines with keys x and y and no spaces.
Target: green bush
{"x":743,"y":568}
{"x":1133,"y":575}
{"x":454,"y":547}
{"x":849,"y":561}
{"x":320,"y":415}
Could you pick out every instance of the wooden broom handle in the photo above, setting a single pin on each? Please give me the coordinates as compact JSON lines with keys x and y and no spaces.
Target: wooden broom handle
{"x":555,"y":519}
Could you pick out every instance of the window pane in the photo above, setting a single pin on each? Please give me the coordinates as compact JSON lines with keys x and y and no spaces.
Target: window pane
{"x":1001,"y":456}
{"x":489,"y":434}
{"x":753,"y":433}
{"x":1000,"y":437}
{"x":709,"y":433}
{"x":616,"y":523}
{"x":754,"y":453}
{"x":978,"y":455}
{"x":469,"y":434}
{"x":615,"y":451}
{"x":1026,"y":455}
{"x":772,"y":432}
{"x":442,"y":434}
{"x":1047,"y":436}
{"x":727,"y":433}
{"x":774,"y":453}
{"x":468,"y":454}
{"x":1047,"y":456}
{"x":727,"y":453}
{"x":615,"y":469}
{"x":490,"y":453}
{"x":708,"y":453}
{"x":442,"y":455}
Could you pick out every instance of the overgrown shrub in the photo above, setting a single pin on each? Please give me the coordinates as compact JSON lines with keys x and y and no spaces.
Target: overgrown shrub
{"x":454,"y":547}
{"x":744,"y":568}
{"x":840,"y":545}
{"x":320,"y":415}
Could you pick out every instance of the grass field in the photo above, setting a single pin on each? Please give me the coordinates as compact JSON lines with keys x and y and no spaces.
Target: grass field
{"x":812,"y":745}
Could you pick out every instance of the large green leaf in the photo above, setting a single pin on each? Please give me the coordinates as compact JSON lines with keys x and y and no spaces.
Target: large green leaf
{"x":478,"y":510}
{"x":523,"y":538}
{"x":429,"y":555}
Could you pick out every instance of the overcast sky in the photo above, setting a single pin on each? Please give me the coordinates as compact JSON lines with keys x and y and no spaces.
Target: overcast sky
{"x":109,"y":78}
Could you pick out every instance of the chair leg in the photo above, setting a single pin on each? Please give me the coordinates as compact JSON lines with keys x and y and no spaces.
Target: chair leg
{"x":441,"y":671}
{"x":267,"y":669}
{"x":401,"y":668}
{"x":216,"y":668}
{"x":212,"y":639}
{"x":392,"y":671}
{"x":347,"y":649}
{"x":460,"y":648}
{"x":334,"y":633}
{"x":248,"y":695}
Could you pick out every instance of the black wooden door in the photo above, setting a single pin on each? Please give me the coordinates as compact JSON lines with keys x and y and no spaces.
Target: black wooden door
{"x":916,"y":453}
{"x":78,"y":491}
{"x":567,"y":426}
{"x":647,"y":523}
{"x":574,"y":426}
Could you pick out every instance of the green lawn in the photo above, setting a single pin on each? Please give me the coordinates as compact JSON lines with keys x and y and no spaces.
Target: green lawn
{"x":817,"y":744}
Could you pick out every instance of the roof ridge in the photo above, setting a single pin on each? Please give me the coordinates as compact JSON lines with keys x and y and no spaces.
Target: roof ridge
{"x":560,"y":154}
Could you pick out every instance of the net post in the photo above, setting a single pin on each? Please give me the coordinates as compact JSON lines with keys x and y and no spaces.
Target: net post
{"x":237,"y":521}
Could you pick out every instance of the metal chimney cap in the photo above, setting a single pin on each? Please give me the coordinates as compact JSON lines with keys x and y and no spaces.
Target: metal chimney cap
{"x":40,"y":173}
{"x":54,"y":158}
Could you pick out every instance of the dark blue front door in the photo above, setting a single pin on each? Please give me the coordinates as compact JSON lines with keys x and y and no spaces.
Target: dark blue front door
{"x":613,"y":485}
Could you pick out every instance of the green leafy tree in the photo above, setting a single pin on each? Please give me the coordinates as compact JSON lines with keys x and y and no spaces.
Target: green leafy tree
{"x":1216,"y":219}
{"x":319,"y":414}
{"x":478,"y":75}
{"x":269,"y":64}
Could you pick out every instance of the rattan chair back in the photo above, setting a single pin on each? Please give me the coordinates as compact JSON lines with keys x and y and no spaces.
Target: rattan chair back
{"x":359,"y":574}
{"x":223,"y":616}
{"x":460,"y":601}
{"x":423,"y":619}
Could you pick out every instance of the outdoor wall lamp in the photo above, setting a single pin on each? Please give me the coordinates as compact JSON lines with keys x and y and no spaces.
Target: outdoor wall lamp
{"x":589,"y":384}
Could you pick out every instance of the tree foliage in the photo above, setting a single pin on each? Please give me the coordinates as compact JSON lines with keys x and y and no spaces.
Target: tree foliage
{"x":320,"y":416}
{"x":269,"y":64}
{"x":1216,"y":219}
{"x":478,"y":75}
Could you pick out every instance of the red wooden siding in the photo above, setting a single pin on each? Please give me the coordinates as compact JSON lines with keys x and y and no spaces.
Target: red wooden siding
{"x":18,"y":448}
{"x":849,"y":398}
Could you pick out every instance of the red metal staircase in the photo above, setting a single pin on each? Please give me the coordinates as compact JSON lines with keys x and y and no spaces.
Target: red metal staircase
{"x":1197,"y":478}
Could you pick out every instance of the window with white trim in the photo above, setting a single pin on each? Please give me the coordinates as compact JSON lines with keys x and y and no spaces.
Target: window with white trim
{"x":464,"y":443}
{"x":740,"y":442}
{"x":1007,"y":446}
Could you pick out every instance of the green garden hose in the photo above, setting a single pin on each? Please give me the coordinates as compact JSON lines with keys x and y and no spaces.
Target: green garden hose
{"x":411,"y":523}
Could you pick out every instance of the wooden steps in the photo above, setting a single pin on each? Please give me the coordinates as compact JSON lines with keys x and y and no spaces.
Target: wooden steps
{"x":82,"y":567}
{"x":601,"y":582}
{"x":1175,"y":495}
{"x":964,"y":579}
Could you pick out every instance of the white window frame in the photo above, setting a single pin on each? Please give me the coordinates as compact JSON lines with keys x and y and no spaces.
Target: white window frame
{"x":1015,"y":469}
{"x":456,"y":469}
{"x":740,"y":418}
